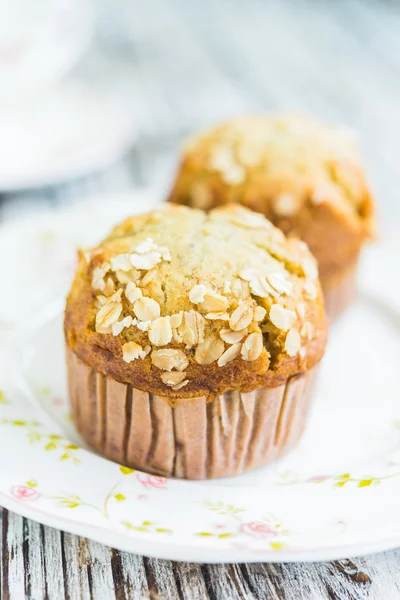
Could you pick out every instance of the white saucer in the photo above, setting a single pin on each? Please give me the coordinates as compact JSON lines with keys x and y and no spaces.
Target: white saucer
{"x":335,"y":495}
{"x":68,"y":131}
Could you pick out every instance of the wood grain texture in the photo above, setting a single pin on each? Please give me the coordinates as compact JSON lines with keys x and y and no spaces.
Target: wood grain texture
{"x":187,"y":64}
{"x":39,"y":563}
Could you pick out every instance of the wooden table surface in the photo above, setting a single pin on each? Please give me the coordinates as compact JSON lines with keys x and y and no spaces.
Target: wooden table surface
{"x":185,"y":64}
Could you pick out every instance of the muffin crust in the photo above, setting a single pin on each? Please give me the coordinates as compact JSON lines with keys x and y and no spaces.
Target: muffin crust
{"x":304,"y":176}
{"x":183,"y":304}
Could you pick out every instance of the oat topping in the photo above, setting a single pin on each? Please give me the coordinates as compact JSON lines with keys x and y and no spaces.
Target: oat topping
{"x":116,"y":297}
{"x":145,"y":261}
{"x":169,"y":358}
{"x":280,"y":283}
{"x":301,"y":310}
{"x":126,"y":277}
{"x":281,"y":317}
{"x":213,"y":302}
{"x":281,"y":149}
{"x":310,"y":290}
{"x":107,"y":315}
{"x":109,"y":287}
{"x":143,"y":325}
{"x":240,"y":289}
{"x":146,"y":309}
{"x":250,"y":220}
{"x":261,"y":288}
{"x":235,"y":174}
{"x":121,"y":262}
{"x":285,"y":205}
{"x":98,"y":276}
{"x":307,"y":331}
{"x":222,"y":160}
{"x":131,"y":351}
{"x":146,"y":246}
{"x":207,"y":299}
{"x":310,"y":268}
{"x":132,"y":292}
{"x":252,"y":347}
{"x":259,"y":313}
{"x":160,"y":332}
{"x":191,"y":330}
{"x":197,"y":293}
{"x":150,"y":276}
{"x":217,"y":316}
{"x":118,"y":326}
{"x":232,"y":337}
{"x":292,"y":342}
{"x":209,"y":351}
{"x":101,"y":300}
{"x":230,"y":319}
{"x":173,"y":377}
{"x":175,"y":320}
{"x":180,"y":385}
{"x":323,"y":193}
{"x":241,"y":317}
{"x":230,"y":354}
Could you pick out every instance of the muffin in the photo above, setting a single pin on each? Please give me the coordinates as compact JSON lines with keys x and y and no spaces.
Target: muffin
{"x":304,"y":176}
{"x":192,"y":340}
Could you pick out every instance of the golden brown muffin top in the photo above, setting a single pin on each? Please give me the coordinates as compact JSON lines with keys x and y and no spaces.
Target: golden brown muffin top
{"x":292,"y":169}
{"x":181,"y":303}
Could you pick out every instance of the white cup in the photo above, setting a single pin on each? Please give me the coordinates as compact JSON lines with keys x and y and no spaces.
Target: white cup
{"x":40,"y":41}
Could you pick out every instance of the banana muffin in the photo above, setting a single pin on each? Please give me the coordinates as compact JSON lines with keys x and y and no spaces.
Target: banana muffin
{"x":304,"y":176}
{"x":192,"y":340}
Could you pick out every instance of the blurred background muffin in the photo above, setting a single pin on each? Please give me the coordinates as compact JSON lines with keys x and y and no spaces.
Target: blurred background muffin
{"x":192,"y":341}
{"x":305,"y":176}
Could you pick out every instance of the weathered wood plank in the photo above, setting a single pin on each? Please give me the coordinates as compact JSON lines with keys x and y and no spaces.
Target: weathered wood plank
{"x":75,"y":561}
{"x":13,"y":566}
{"x":129,"y":576}
{"x":383,"y":570}
{"x":161,"y":579}
{"x":226,"y":582}
{"x":98,"y":561}
{"x":34,"y":570}
{"x":53,"y":563}
{"x":295,"y":581}
{"x":3,"y":559}
{"x":190,"y":581}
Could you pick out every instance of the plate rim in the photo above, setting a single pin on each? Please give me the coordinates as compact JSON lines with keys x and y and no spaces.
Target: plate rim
{"x":173,"y":550}
{"x":183,"y":553}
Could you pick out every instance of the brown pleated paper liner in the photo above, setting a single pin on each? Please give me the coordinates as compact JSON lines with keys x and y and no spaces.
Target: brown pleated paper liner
{"x":200,"y":438}
{"x":340,"y":292}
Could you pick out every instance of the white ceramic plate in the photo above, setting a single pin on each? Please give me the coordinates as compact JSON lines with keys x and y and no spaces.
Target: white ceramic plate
{"x":335,"y":495}
{"x":70,"y":130}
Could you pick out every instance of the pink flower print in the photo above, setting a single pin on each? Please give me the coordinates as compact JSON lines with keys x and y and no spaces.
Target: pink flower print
{"x":152,"y":481}
{"x":24,"y":492}
{"x":57,"y":401}
{"x":258,"y":529}
{"x":142,"y":497}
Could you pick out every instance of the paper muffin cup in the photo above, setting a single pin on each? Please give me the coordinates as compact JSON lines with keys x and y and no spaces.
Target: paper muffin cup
{"x":199,"y":438}
{"x":339,"y":291}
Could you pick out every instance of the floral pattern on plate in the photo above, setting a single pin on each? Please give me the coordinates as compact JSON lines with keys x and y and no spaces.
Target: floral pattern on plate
{"x":334,"y":495}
